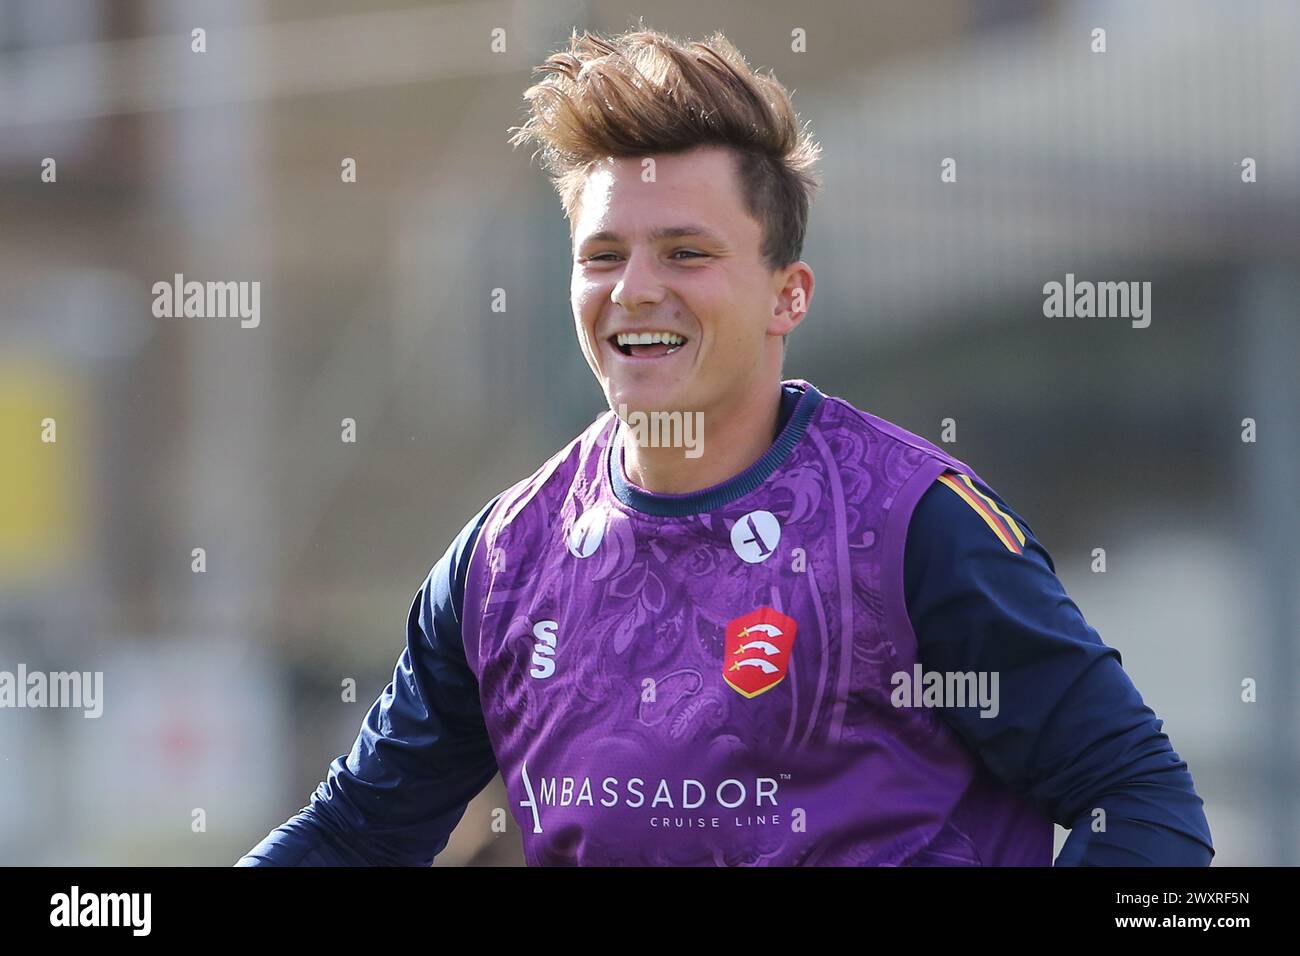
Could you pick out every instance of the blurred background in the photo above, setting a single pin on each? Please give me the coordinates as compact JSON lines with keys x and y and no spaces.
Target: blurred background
{"x":222,"y":688}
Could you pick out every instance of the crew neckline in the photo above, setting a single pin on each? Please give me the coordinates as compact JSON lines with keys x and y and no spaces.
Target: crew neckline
{"x":725,"y":492}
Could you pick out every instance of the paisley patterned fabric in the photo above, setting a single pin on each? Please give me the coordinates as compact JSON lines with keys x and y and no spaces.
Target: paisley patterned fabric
{"x":599,"y":634}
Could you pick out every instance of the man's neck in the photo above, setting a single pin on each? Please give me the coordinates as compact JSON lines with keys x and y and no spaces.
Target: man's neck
{"x":728,"y":442}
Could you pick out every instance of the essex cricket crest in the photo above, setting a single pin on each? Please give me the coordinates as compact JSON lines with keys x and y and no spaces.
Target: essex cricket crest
{"x":757,"y":651}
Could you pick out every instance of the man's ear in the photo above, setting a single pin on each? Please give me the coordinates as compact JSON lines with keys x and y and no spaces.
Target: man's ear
{"x":794,"y":296}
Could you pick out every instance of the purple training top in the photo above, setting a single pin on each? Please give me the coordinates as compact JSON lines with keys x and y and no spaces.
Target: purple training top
{"x":713,"y":688}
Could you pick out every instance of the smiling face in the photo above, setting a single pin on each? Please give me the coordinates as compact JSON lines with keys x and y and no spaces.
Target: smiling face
{"x":675,"y":308}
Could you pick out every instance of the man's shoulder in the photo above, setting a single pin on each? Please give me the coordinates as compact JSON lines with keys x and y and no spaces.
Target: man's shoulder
{"x":840,"y":413}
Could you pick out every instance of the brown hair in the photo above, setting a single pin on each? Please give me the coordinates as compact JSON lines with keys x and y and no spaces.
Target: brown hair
{"x":644,"y":92}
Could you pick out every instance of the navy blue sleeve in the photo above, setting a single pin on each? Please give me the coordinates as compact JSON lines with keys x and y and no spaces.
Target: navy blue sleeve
{"x":1072,"y":733}
{"x":422,"y":754}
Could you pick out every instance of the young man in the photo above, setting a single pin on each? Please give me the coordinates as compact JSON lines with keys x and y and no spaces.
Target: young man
{"x":722,"y":653}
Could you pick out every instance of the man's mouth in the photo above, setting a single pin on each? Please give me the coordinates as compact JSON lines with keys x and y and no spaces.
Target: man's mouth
{"x":647,"y":344}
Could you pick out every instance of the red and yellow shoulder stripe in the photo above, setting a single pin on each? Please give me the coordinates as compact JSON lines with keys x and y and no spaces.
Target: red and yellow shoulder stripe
{"x":1003,"y":525}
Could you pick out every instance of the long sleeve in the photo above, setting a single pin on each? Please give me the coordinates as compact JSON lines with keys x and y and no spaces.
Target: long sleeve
{"x":422,"y":753}
{"x":1073,"y":734}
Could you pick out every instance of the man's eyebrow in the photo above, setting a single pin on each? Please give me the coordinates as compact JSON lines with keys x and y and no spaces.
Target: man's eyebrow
{"x":663,"y":232}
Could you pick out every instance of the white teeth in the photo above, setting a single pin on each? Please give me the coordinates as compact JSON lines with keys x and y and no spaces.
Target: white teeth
{"x":650,"y":338}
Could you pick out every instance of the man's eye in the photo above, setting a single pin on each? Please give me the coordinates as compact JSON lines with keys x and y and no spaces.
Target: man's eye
{"x":613,"y":256}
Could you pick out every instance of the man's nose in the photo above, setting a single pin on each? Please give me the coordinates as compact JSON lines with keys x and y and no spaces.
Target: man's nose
{"x":639,"y":285}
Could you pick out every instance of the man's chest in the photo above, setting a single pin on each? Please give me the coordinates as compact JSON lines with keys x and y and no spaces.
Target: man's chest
{"x":698,"y":675}
{"x":759,"y":622}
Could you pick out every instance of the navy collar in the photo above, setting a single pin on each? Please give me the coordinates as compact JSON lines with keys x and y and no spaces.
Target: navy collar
{"x":799,"y":399}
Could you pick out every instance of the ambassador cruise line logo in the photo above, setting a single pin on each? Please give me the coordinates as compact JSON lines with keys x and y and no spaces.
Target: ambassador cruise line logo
{"x":659,"y":796}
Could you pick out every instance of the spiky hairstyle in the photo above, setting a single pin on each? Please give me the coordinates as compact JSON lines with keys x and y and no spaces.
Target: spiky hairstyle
{"x":644,"y":92}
